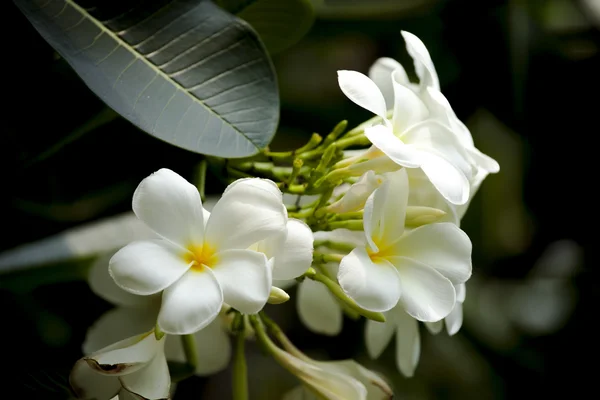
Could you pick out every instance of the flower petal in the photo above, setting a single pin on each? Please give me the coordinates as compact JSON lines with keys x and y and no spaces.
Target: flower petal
{"x":170,"y":206}
{"x":376,"y":387}
{"x":89,"y":384}
{"x":384,"y":139}
{"x":381,"y":73}
{"x":454,"y":320}
{"x":442,"y":246}
{"x":152,"y":382}
{"x":191,"y":303}
{"x":118,"y":324}
{"x":423,"y":193}
{"x":375,"y":286}
{"x":435,"y":327}
{"x":147,"y":267}
{"x":245,"y":278}
{"x":103,"y":285}
{"x":408,"y":343}
{"x":213,"y":349}
{"x":318,"y":310}
{"x":249,"y":211}
{"x":461,"y":292}
{"x":363,"y":91}
{"x":378,"y":335}
{"x":295,"y":256}
{"x":422,"y":60}
{"x":484,"y":161}
{"x":409,"y":109}
{"x":356,"y":196}
{"x":125,"y":357}
{"x":450,"y":181}
{"x":427,"y":295}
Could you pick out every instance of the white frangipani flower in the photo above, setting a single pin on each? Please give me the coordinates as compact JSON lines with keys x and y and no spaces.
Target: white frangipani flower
{"x":357,"y":195}
{"x":202,"y":259}
{"x":136,"y":314}
{"x":132,"y":368}
{"x":416,"y":268}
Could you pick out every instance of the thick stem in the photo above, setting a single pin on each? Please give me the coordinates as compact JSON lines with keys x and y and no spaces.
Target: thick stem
{"x":189,"y":348}
{"x":240,"y":370}
{"x":201,"y":179}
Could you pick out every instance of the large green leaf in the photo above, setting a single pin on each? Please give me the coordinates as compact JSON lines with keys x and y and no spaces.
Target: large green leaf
{"x":186,"y":72}
{"x":280,"y":24}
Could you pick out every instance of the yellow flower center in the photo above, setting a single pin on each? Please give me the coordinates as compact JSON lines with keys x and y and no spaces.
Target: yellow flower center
{"x":201,"y":256}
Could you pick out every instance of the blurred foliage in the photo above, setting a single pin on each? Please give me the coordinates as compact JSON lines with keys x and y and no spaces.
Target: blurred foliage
{"x":517,"y":72}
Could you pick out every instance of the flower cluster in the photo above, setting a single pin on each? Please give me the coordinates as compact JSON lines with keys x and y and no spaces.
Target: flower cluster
{"x":372,"y":232}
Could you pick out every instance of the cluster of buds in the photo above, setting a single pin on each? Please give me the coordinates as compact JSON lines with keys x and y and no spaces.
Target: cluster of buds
{"x":373,"y":232}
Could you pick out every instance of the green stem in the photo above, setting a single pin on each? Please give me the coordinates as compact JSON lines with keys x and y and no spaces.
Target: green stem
{"x":337,"y":291}
{"x":323,"y":258}
{"x":201,"y":179}
{"x":240,"y":370}
{"x":189,"y":348}
{"x":276,"y":331}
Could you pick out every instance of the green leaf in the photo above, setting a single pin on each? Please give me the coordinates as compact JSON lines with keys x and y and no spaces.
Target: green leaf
{"x":187,"y":72}
{"x":280,"y":24}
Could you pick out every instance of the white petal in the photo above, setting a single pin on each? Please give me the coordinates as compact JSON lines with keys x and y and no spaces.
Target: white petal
{"x":381,"y":73}
{"x":432,"y":136}
{"x":147,"y":267}
{"x":295,"y":257}
{"x":484,"y":161}
{"x":378,"y":335}
{"x":170,"y":206}
{"x":450,"y":181}
{"x":89,"y":384}
{"x":442,"y":246}
{"x":461,"y":292}
{"x":435,"y":327}
{"x":427,"y":295}
{"x":423,"y":63}
{"x":118,"y":324}
{"x":374,"y":286}
{"x":363,"y":91}
{"x":151,"y":382}
{"x":454,"y":320}
{"x":408,"y":344}
{"x":409,"y":109}
{"x":245,"y":278}
{"x":191,"y":303}
{"x":318,"y":309}
{"x":125,"y":357}
{"x":384,"y":139}
{"x":377,"y":388}
{"x":356,"y":196}
{"x":105,"y":287}
{"x":300,"y":392}
{"x":249,"y":211}
{"x":423,"y":193}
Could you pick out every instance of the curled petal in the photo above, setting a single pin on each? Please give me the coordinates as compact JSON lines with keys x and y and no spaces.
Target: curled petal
{"x":152,"y":382}
{"x":454,"y":320}
{"x":89,"y":384}
{"x":363,"y":91}
{"x":408,"y":343}
{"x":249,"y":211}
{"x":384,"y":139}
{"x":295,"y":256}
{"x":318,"y":310}
{"x":375,"y":286}
{"x":191,"y":303}
{"x":409,"y":109}
{"x":427,"y":295}
{"x":484,"y":161}
{"x":381,"y":73}
{"x":170,"y":206}
{"x":442,"y":246}
{"x":356,"y":196}
{"x":147,"y":267}
{"x":450,"y":181}
{"x":245,"y":278}
{"x":422,"y":60}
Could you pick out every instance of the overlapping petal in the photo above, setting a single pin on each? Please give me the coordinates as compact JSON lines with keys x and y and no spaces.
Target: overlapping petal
{"x":87,"y":383}
{"x":295,"y":256}
{"x":423,"y":64}
{"x":170,"y":206}
{"x":408,"y":343}
{"x":408,"y":106}
{"x":450,"y":181}
{"x":151,"y":382}
{"x":378,"y":335}
{"x":381,"y":73}
{"x":147,"y":267}
{"x":126,"y":356}
{"x":362,"y":91}
{"x":385,"y":140}
{"x":375,"y":286}
{"x":318,"y":309}
{"x":191,"y":303}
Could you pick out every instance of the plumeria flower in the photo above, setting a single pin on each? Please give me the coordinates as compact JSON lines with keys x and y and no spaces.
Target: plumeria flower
{"x":375,"y":387}
{"x":132,"y":368}
{"x":202,"y":259}
{"x":136,"y":314}
{"x":406,"y":329}
{"x":417,"y":268}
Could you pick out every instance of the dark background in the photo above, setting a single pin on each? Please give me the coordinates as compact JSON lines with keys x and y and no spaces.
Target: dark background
{"x":523,"y":75}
